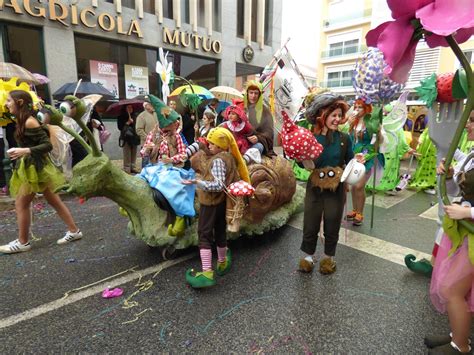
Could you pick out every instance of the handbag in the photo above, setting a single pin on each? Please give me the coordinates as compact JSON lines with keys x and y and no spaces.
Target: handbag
{"x":104,"y":136}
{"x":128,"y":135}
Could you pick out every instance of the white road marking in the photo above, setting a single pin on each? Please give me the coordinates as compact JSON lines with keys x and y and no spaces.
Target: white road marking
{"x":367,"y":244}
{"x":431,"y":213}
{"x":75,"y":297}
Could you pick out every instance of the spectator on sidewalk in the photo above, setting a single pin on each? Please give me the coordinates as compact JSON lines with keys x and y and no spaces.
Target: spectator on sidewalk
{"x":146,"y":121}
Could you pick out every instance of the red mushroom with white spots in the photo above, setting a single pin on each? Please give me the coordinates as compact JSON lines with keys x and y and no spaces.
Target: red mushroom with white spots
{"x":299,"y":143}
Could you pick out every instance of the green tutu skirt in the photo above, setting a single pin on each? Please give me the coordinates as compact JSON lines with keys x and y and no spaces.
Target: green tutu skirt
{"x":27,"y":180}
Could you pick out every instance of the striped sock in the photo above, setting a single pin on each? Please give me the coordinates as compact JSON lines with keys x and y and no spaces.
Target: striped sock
{"x":221,"y":254}
{"x":192,"y":149}
{"x":206,"y":259}
{"x":246,"y":159}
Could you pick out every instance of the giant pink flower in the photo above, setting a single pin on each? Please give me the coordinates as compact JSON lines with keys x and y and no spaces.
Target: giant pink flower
{"x":397,"y":39}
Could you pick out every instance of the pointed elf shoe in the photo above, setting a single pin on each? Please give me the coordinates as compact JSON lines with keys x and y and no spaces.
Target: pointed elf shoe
{"x":422,"y":266}
{"x":200,"y":279}
{"x":224,"y":267}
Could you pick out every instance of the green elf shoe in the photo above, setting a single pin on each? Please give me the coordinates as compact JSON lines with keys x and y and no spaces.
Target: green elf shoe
{"x":200,"y":279}
{"x":422,"y":266}
{"x":224,"y":267}
{"x":178,"y":228}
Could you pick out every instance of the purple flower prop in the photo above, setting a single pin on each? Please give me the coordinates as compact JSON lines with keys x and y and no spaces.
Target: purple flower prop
{"x":369,"y":81}
{"x":433,"y":19}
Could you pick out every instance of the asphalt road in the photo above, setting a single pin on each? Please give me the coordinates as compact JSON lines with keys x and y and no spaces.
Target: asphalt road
{"x":264,"y":305}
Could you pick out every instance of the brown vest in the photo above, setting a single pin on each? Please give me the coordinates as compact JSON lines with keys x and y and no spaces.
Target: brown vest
{"x":231,"y":175}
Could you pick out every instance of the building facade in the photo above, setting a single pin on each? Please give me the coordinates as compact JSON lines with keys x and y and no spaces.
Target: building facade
{"x":211,"y":42}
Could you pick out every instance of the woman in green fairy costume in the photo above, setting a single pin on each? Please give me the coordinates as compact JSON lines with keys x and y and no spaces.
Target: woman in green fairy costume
{"x":425,"y":174}
{"x":391,"y":172}
{"x":33,"y":173}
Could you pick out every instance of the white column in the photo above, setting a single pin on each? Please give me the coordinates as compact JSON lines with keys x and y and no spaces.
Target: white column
{"x":208,"y":16}
{"x":177,"y":12}
{"x":118,"y":6}
{"x":159,"y":10}
{"x":248,"y":21}
{"x":193,"y":14}
{"x":139,"y":7}
{"x":261,"y":23}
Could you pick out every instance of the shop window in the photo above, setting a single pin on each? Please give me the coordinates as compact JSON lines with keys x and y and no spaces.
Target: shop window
{"x":128,"y":3}
{"x":469,"y":56}
{"x":201,"y":71}
{"x":216,"y":16}
{"x":268,"y":22}
{"x":240,"y":18}
{"x":24,"y":46}
{"x":168,"y":8}
{"x":339,"y":79}
{"x":343,"y":48}
{"x":149,"y":6}
{"x":88,"y":49}
{"x":254,"y":20}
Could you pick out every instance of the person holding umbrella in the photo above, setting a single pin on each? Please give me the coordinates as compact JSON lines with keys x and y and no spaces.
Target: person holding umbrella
{"x":129,"y":139}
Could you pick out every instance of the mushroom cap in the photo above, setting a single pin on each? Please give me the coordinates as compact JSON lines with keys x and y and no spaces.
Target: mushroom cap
{"x":241,"y":188}
{"x":298,"y":142}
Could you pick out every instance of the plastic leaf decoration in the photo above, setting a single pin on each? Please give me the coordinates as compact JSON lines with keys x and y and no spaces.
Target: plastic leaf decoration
{"x":192,"y":101}
{"x":427,"y":90}
{"x":369,"y":81}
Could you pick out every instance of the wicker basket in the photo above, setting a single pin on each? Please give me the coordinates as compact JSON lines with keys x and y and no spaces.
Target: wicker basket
{"x":235,"y":207}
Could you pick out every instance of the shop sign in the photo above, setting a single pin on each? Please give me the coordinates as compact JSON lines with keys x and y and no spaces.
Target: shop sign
{"x":186,"y":39}
{"x":136,"y":81}
{"x":64,"y":14}
{"x":105,"y":74}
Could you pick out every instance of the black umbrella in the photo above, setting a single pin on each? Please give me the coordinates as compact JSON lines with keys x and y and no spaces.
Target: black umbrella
{"x":85,"y":88}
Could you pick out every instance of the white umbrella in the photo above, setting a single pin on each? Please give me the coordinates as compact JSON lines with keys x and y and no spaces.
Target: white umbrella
{"x":226,"y":93}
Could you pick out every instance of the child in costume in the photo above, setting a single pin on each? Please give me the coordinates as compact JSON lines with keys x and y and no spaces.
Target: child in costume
{"x":33,"y":173}
{"x":171,"y":154}
{"x":453,"y":273}
{"x":363,"y":131}
{"x":237,"y":122}
{"x":325,"y":194}
{"x":221,"y":167}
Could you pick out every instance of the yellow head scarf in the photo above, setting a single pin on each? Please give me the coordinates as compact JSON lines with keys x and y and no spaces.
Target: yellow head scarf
{"x":224,"y":139}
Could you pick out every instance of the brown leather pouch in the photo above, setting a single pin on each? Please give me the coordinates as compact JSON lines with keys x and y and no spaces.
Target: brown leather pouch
{"x":327,"y":178}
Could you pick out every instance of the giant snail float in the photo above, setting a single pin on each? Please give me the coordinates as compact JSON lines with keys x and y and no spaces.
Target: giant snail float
{"x":275,"y":199}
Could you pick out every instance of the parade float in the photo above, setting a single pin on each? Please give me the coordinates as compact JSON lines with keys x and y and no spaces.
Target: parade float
{"x":275,"y":199}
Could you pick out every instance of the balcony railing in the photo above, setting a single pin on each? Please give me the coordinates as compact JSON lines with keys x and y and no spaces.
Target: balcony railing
{"x":341,"y":52}
{"x":339,"y":83}
{"x":347,"y":18}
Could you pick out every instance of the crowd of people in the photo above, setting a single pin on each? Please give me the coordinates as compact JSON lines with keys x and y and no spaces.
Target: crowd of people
{"x":221,"y":153}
